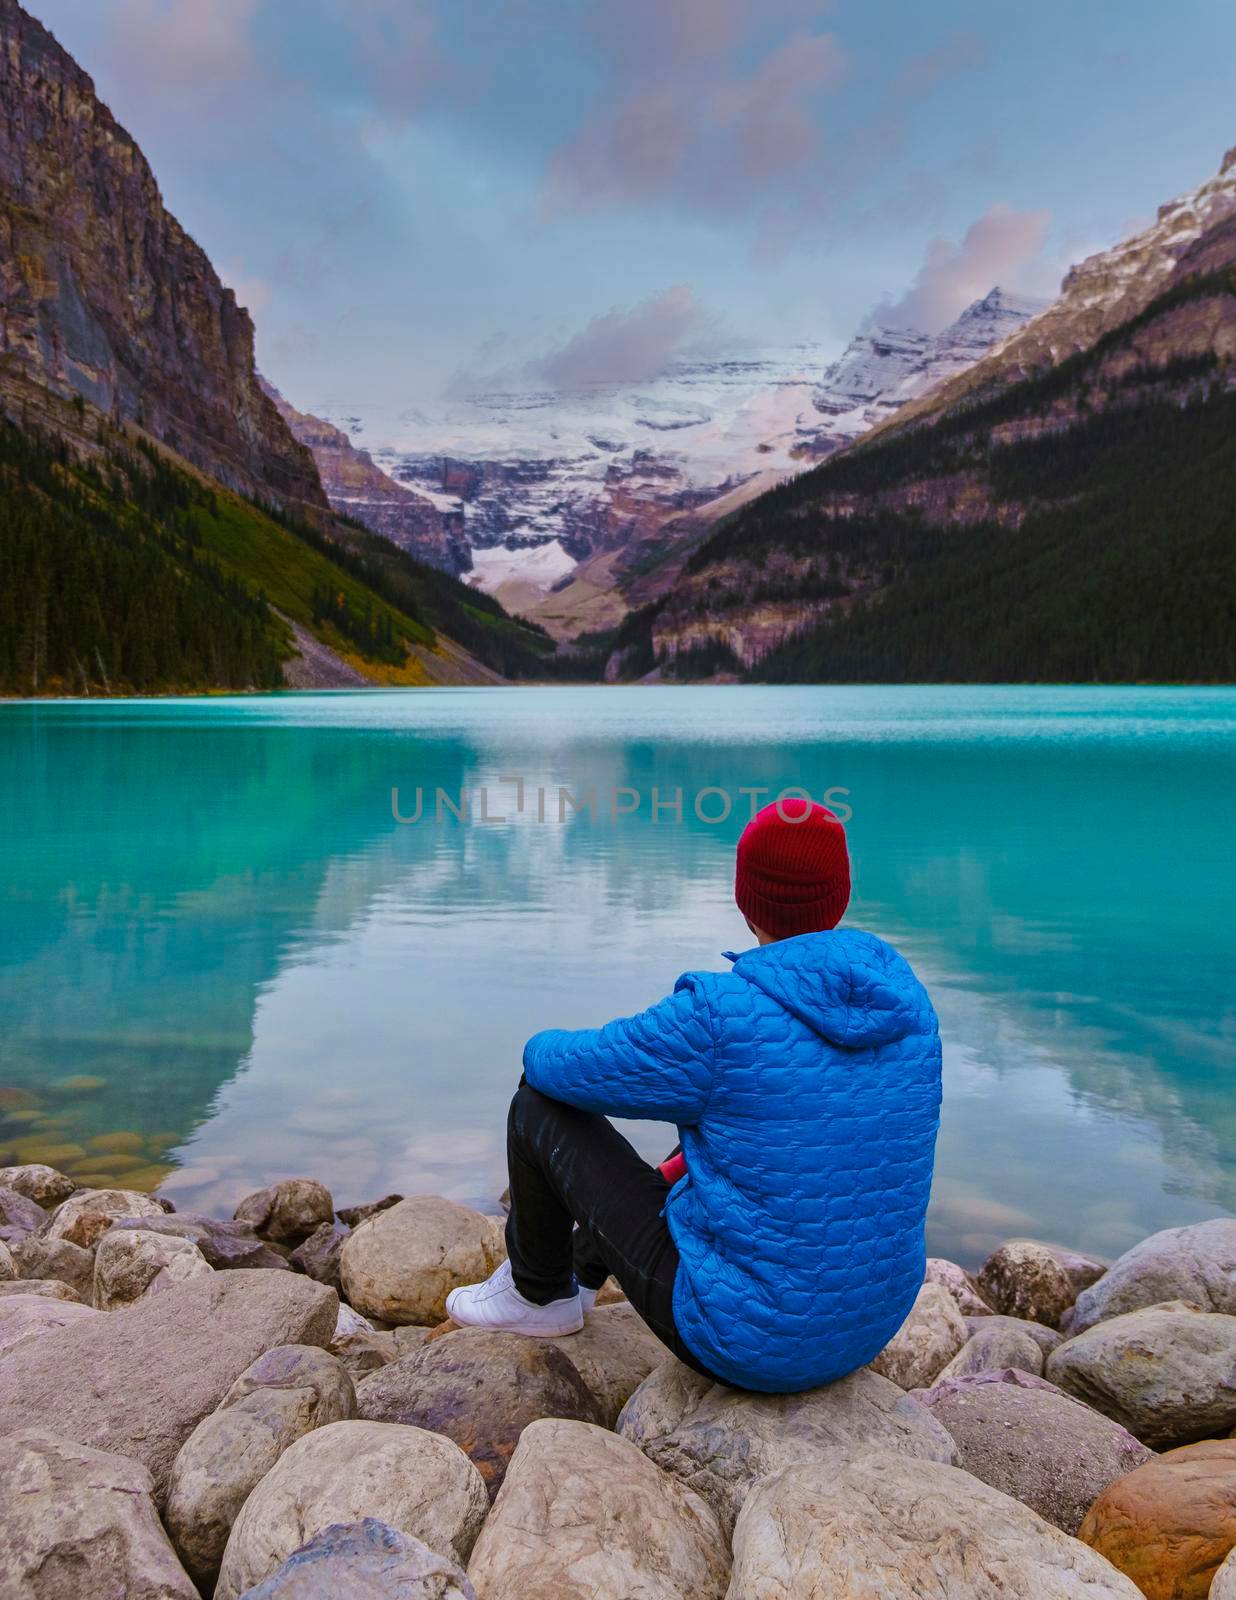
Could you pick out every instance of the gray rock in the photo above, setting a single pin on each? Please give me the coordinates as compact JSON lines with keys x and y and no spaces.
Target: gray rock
{"x":1034,"y":1442}
{"x":613,"y":1353}
{"x":49,"y":1288}
{"x":87,"y":1215}
{"x":719,"y":1441}
{"x":418,"y":1482}
{"x":6,"y":1262}
{"x":27,"y":1319}
{"x":318,"y":1256}
{"x":1223,"y":1585}
{"x":875,"y":1525}
{"x":139,"y":1380}
{"x":480,"y":1388}
{"x":353,"y":1216}
{"x":584,"y":1515}
{"x":284,"y":1395}
{"x":132,"y":1263}
{"x":19,"y":1216}
{"x":1196,"y":1264}
{"x":39,"y":1183}
{"x":960,"y":1285}
{"x":225,"y":1245}
{"x":288,"y":1212}
{"x":926,"y":1342}
{"x":56,"y":1258}
{"x":80,"y":1524}
{"x":1167,"y":1373}
{"x":401,"y":1263}
{"x":1024,"y":1278}
{"x":367,"y":1560}
{"x":1046,"y":1338}
{"x":360,"y":1347}
{"x":994,"y":1349}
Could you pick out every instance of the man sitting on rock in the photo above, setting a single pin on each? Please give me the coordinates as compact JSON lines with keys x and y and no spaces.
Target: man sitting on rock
{"x":784,"y":1246}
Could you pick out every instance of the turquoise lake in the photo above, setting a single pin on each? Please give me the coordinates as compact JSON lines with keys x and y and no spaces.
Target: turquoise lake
{"x":215,"y":938}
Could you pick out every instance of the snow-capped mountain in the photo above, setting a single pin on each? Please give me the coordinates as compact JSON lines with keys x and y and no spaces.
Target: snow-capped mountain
{"x":545,"y":480}
{"x":884,"y":368}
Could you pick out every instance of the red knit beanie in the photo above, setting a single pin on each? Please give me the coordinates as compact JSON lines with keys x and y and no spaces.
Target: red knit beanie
{"x":793,"y":872}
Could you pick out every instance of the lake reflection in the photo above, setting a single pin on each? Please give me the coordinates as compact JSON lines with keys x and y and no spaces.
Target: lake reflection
{"x":211,"y":916}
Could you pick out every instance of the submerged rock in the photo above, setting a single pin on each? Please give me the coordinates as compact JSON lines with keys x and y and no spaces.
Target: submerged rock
{"x":139,"y":1380}
{"x":720,"y":1441}
{"x":38,"y":1182}
{"x":86,"y":1216}
{"x":926,"y":1342}
{"x":1168,"y":1373}
{"x":284,"y":1395}
{"x":584,"y":1515}
{"x":1034,"y":1442}
{"x":80,"y":1524}
{"x":364,"y":1561}
{"x":875,"y":1525}
{"x":480,"y":1388}
{"x":1196,"y":1264}
{"x":1169,"y":1524}
{"x":401,"y":1263}
{"x":416,"y":1481}
{"x":289,"y":1211}
{"x":130,"y":1264}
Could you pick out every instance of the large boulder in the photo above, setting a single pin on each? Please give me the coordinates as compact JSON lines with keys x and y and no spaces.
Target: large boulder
{"x":874,"y":1525}
{"x":418,"y":1482}
{"x":1224,"y":1585}
{"x":719,"y":1441}
{"x":960,"y":1285}
{"x":87,"y":1215}
{"x":318,"y":1256}
{"x":224,"y":1244}
{"x":139,"y":1380}
{"x":40,"y":1183}
{"x":288,"y":1211}
{"x":613,"y":1353}
{"x":1196,"y":1264}
{"x":366,"y":1560}
{"x":999,"y":1342}
{"x":131,"y":1263}
{"x":27,"y":1319}
{"x":1025,"y":1278}
{"x":1169,"y":1524}
{"x":36,"y":1257}
{"x":19,"y":1217}
{"x":480,"y":1388}
{"x":1034,"y":1442}
{"x":401,"y":1263}
{"x":284,"y":1395}
{"x":1168,"y":1373}
{"x":926,"y":1342}
{"x":80,"y":1524}
{"x":584,"y":1515}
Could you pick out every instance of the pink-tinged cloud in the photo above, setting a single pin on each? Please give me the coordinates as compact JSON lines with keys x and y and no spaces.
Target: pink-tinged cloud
{"x":711,"y":136}
{"x":646,"y":37}
{"x":165,"y":48}
{"x":395,"y":45}
{"x":1002,"y":247}
{"x":625,"y":346}
{"x":962,"y":50}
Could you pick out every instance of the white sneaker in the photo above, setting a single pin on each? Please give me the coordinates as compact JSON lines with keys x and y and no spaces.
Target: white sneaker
{"x":587,"y":1299}
{"x":498,"y":1304}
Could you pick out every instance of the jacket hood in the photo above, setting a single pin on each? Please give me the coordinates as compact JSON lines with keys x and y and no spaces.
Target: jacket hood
{"x":846,"y":985}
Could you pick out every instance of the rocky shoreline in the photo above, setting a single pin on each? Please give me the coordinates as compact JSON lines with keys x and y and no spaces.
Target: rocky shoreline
{"x":271,"y":1406}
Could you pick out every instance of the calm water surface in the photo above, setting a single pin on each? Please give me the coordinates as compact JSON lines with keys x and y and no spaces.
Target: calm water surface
{"x":214,"y":936}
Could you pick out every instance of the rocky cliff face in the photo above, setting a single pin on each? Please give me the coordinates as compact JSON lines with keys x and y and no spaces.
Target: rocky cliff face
{"x":104,"y":295}
{"x":358,"y":488}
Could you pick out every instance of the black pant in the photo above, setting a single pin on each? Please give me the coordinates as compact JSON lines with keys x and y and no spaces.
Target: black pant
{"x":569,"y":1166}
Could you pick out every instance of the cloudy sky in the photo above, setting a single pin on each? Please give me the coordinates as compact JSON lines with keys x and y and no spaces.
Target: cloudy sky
{"x":414,"y":196}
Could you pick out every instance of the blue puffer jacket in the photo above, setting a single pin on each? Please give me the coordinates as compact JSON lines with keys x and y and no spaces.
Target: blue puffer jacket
{"x":805,"y":1084}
